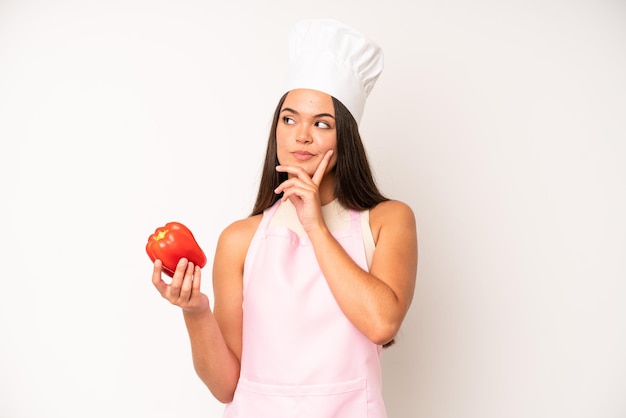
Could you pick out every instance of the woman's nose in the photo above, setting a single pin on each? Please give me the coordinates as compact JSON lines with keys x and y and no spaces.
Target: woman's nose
{"x":303,"y":135}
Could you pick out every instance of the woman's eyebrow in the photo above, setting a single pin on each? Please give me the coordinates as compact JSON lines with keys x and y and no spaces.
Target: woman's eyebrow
{"x":295,"y":112}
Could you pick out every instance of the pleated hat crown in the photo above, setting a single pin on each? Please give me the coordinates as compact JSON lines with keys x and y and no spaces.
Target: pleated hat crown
{"x":328,"y":56}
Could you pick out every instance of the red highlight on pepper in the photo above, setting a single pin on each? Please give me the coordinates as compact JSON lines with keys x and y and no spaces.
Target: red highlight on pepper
{"x":172,"y":242}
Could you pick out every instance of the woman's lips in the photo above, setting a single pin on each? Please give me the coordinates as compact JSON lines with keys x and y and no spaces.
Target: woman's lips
{"x":302,"y":155}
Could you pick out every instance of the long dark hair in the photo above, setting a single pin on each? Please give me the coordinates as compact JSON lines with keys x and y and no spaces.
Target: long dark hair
{"x":355,"y":187}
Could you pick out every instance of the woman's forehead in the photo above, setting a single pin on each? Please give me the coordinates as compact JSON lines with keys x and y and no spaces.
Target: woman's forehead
{"x":309,"y":101}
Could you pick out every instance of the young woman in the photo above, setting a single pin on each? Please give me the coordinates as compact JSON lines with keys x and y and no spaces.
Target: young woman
{"x":309,"y":287}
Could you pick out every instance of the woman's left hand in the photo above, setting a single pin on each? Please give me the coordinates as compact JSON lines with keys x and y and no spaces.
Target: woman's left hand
{"x":303,"y":191}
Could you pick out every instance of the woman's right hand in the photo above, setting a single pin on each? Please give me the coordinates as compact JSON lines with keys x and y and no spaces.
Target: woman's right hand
{"x":184,"y":289}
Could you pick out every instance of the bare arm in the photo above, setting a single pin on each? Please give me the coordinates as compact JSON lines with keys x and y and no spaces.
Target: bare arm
{"x":376,"y":302}
{"x":215,"y":336}
{"x":214,"y":361}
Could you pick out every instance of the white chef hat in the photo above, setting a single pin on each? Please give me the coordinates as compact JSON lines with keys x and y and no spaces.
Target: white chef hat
{"x":328,"y":56}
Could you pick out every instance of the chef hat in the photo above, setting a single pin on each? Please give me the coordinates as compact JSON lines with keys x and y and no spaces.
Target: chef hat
{"x":328,"y":56}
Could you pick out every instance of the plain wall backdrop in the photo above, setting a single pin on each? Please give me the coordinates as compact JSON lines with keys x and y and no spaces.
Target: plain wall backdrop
{"x":502,"y":123}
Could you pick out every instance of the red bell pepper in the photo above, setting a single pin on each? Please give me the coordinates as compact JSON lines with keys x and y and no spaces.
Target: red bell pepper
{"x":172,"y":242}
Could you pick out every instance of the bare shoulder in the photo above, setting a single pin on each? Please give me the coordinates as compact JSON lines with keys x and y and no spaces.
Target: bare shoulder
{"x":391,"y":214}
{"x":392,"y":208}
{"x":236,"y":237}
{"x":230,"y":254}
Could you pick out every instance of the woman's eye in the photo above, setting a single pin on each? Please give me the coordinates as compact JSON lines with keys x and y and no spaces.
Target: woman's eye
{"x":287,"y":120}
{"x":322,"y":124}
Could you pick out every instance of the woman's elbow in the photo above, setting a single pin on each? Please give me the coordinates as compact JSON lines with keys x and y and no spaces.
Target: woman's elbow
{"x":383,"y":332}
{"x":223,"y":390}
{"x":223,"y":396}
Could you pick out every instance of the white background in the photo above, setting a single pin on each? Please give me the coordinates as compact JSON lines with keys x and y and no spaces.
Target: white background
{"x":502,"y":123}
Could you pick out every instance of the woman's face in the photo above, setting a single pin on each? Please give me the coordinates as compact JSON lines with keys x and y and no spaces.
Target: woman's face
{"x":306,"y":130}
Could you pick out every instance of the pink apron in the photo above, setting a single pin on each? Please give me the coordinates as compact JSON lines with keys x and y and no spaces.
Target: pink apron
{"x":301,"y":356}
